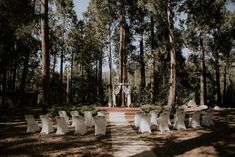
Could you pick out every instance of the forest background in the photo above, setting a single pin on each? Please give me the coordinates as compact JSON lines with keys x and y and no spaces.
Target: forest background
{"x":142,"y":42}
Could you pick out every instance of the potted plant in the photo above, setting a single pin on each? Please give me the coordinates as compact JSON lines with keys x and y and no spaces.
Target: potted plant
{"x":150,"y":107}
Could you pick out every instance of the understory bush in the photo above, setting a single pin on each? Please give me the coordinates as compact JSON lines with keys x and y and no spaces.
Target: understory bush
{"x":150,"y":107}
{"x":54,"y":110}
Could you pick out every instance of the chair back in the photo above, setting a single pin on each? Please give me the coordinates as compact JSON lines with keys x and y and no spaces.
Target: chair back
{"x":163,"y":121}
{"x":179,"y":120}
{"x":73,"y":114}
{"x":194,"y":121}
{"x":89,"y":120}
{"x":47,"y":126}
{"x":153,"y":119}
{"x":65,"y":116}
{"x":100,"y":125}
{"x":80,"y":125}
{"x":144,"y":125}
{"x":62,"y":127}
{"x":32,"y":125}
{"x":137,"y":119}
{"x":30,"y":119}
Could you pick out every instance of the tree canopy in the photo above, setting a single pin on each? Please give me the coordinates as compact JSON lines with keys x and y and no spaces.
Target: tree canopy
{"x":167,"y":52}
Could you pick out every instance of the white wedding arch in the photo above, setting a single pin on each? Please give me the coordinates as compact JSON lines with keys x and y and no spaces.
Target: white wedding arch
{"x":125,"y":89}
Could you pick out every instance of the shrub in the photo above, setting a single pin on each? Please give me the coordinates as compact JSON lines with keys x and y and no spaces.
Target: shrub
{"x":150,"y":107}
{"x":54,"y":110}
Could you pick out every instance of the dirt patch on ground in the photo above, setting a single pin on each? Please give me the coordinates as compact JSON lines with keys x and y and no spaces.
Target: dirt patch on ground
{"x":214,"y":141}
{"x":16,"y":142}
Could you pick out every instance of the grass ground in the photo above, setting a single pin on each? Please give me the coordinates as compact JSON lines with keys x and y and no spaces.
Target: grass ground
{"x":15,"y":141}
{"x":215,"y":141}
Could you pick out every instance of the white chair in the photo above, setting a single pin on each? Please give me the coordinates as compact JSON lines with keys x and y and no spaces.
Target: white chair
{"x":145,"y":123}
{"x":80,"y":125}
{"x":32,"y":125}
{"x":137,"y":119}
{"x":100,"y":113}
{"x":100,"y":125}
{"x":74,"y":113}
{"x":153,"y":120}
{"x":163,"y":121}
{"x":179,"y":120}
{"x":47,"y":126}
{"x":194,"y":121}
{"x":89,"y":120}
{"x":62,"y":127}
{"x":207,"y":119}
{"x":192,"y":104}
{"x":65,"y":116}
{"x":217,"y":108}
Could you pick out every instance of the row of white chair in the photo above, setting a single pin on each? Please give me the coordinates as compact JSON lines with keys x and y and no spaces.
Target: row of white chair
{"x":198,"y":119}
{"x":145,"y":121}
{"x":78,"y":122}
{"x":87,"y":115}
{"x":89,"y":120}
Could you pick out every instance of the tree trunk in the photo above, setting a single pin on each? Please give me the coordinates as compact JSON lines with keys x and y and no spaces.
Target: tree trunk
{"x":153,"y":66}
{"x":13,"y":87}
{"x":82,"y":62}
{"x":110,"y":68}
{"x":225,"y":78}
{"x":172,"y":79}
{"x":81,"y":59}
{"x":62,"y":62}
{"x":4,"y":86}
{"x":25,"y":70}
{"x":53,"y":66}
{"x":53,"y":81}
{"x":45,"y":53}
{"x":97,"y":77}
{"x":142,"y":63}
{"x":68,"y":84}
{"x":217,"y":74}
{"x":100,"y":71}
{"x":71,"y":77}
{"x":202,"y":73}
{"x":122,"y":52}
{"x":61,"y":75}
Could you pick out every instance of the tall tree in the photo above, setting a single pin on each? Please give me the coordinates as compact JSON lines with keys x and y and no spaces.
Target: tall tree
{"x":172,"y":79}
{"x":202,"y":70}
{"x":157,"y":39}
{"x":101,"y":16}
{"x":73,"y":39}
{"x":153,"y":56}
{"x":45,"y":52}
{"x":15,"y":29}
{"x":221,"y":49}
{"x":198,"y":13}
{"x":137,"y":14}
{"x":66,"y":13}
{"x":122,"y":50}
{"x":110,"y":66}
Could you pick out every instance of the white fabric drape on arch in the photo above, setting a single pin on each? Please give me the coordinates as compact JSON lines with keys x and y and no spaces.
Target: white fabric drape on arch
{"x":126,"y":90}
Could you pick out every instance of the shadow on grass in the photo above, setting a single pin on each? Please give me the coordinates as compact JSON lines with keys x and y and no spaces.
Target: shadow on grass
{"x":172,"y":147}
{"x":15,"y":141}
{"x":60,"y":145}
{"x":213,"y":141}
